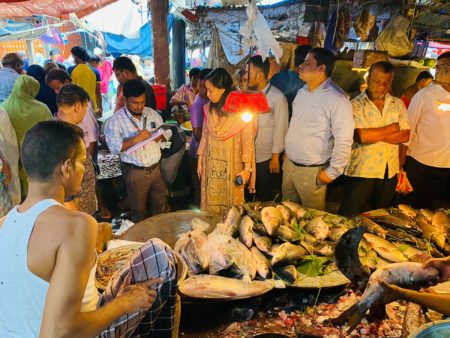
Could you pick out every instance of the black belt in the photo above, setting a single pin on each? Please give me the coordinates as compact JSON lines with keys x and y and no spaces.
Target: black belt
{"x":132,"y":166}
{"x":308,"y":165}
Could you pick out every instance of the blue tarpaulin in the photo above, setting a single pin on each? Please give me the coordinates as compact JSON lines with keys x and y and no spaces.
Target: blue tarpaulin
{"x":118,"y":44}
{"x":143,"y":46}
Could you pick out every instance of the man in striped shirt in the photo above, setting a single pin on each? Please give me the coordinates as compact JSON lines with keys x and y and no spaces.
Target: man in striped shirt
{"x":128,"y":127}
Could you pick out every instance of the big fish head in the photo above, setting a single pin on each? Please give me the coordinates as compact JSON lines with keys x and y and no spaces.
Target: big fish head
{"x":271,"y":218}
{"x":407,"y":210}
{"x":425,"y":275}
{"x":318,"y":228}
{"x":406,"y":274}
{"x":285,"y":212}
{"x":298,"y":210}
{"x":233,"y":215}
{"x":441,"y":219}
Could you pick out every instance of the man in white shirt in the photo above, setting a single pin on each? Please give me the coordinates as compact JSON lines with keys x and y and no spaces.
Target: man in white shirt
{"x":320,"y":135}
{"x":271,"y":129}
{"x":129,"y":126}
{"x":381,"y":124}
{"x":428,"y":155}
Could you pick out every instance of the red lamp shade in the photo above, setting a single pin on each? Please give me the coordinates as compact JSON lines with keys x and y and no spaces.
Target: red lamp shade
{"x":246,"y":102}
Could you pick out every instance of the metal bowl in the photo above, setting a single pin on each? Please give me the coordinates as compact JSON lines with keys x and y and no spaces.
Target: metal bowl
{"x":438,"y":329}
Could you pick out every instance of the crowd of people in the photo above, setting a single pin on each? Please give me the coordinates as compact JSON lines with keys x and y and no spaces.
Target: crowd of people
{"x":365,"y":140}
{"x":312,"y":135}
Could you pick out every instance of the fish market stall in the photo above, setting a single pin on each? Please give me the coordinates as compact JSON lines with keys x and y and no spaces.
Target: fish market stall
{"x":267,"y":267}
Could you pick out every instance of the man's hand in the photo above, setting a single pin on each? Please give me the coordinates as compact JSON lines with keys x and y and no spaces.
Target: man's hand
{"x":441,"y":264}
{"x":139,"y":296}
{"x":324,"y":178}
{"x":161,"y":137}
{"x":100,"y":114}
{"x":394,"y":127}
{"x":7,"y":171}
{"x":392,"y":292}
{"x":143,"y":135}
{"x":274,"y":164}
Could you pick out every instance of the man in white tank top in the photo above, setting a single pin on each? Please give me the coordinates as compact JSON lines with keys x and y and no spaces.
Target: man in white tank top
{"x":47,"y":257}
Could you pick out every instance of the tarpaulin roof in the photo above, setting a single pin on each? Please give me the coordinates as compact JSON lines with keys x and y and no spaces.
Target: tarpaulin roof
{"x":55,"y":8}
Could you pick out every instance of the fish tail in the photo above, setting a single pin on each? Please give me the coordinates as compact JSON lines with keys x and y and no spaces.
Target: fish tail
{"x":353,"y":315}
{"x":355,"y":318}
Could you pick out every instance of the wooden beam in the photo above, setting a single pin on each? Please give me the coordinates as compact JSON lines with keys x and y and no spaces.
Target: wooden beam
{"x":160,"y":12}
{"x":30,"y":52}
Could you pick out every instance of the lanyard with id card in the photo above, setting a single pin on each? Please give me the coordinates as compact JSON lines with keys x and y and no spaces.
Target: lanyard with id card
{"x":133,"y":122}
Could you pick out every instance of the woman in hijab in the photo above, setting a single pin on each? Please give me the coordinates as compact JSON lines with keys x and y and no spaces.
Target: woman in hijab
{"x":24,"y":112}
{"x":46,"y":94}
{"x":226,"y":155}
{"x":9,"y":172}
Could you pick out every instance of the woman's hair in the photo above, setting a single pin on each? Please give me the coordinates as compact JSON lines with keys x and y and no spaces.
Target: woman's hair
{"x":220,"y":78}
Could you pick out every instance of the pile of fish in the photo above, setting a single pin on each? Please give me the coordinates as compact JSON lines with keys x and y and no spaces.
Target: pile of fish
{"x":269,"y":240}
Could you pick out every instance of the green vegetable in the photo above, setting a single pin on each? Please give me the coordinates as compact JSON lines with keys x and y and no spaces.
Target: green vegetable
{"x":429,"y":63}
{"x":312,"y":265}
{"x":402,"y":247}
{"x":299,"y":231}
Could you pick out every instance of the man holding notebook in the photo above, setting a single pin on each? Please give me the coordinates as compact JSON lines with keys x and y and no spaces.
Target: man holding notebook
{"x":128,"y":133}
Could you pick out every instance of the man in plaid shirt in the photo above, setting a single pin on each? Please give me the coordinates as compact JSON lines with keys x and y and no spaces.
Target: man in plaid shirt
{"x":48,"y":267}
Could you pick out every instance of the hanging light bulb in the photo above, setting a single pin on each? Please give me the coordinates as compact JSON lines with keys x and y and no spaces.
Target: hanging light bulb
{"x":247,"y":117}
{"x":443,"y":106}
{"x":246,"y":102}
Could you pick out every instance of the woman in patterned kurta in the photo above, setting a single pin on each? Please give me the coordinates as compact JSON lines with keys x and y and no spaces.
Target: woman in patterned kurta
{"x":226,"y":149}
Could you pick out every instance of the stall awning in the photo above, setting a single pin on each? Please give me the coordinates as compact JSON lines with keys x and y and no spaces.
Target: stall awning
{"x":55,"y":8}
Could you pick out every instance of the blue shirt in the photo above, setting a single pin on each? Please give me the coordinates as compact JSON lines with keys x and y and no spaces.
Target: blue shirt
{"x":321,"y":128}
{"x":8,"y":77}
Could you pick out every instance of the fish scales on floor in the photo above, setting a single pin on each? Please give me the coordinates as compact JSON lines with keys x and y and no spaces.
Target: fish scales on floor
{"x":265,"y":240}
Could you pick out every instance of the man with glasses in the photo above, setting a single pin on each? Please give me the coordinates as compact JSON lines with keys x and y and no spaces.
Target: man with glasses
{"x":12,"y":68}
{"x":381,"y":124}
{"x":428,"y":154}
{"x":130,"y":125}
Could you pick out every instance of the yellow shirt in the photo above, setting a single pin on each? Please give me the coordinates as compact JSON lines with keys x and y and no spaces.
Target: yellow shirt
{"x":370,"y":160}
{"x":85,"y":77}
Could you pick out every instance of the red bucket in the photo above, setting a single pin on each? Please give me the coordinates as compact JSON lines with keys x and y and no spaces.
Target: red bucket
{"x":302,"y":40}
{"x":161,"y":96}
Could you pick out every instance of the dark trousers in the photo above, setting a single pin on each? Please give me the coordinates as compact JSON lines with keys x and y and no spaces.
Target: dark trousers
{"x":193,"y":162}
{"x":431,"y":185}
{"x":144,"y":185}
{"x":264,"y":182}
{"x":364,"y":194}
